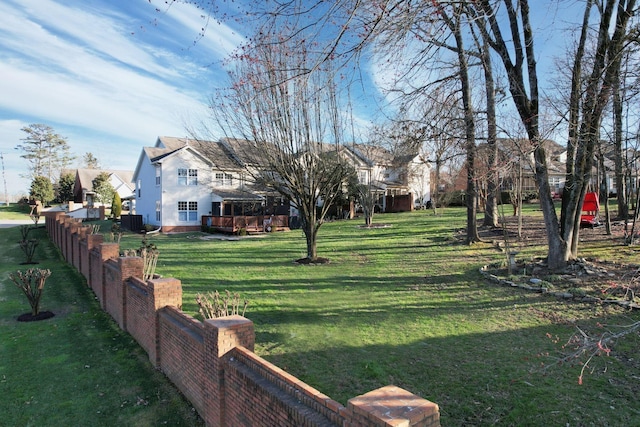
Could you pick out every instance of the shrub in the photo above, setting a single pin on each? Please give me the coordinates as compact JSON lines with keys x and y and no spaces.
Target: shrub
{"x":31,"y":282}
{"x":213,"y":305}
{"x":29,"y":249}
{"x":116,"y":205}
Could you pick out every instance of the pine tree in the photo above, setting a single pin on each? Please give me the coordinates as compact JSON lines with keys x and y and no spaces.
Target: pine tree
{"x":116,"y":205}
{"x":46,"y":152}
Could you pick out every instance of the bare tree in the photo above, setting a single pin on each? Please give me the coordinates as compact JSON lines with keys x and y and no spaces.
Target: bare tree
{"x":291,"y":118}
{"x":518,"y":57}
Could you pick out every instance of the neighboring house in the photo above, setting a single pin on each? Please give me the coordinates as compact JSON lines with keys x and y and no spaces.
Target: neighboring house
{"x":515,"y":154}
{"x":122,"y":182}
{"x":180,"y":180}
{"x":391,"y":175}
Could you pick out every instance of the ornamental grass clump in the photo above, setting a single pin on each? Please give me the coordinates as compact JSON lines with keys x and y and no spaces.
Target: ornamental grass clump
{"x":31,"y":283}
{"x":214,"y":305}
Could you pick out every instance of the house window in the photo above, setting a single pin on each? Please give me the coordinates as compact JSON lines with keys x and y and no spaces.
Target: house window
{"x":224,"y":179}
{"x":555,"y":183}
{"x":187,"y":211}
{"x":157,"y":176}
{"x":139,"y":184}
{"x":157,"y":210}
{"x":187,"y":176}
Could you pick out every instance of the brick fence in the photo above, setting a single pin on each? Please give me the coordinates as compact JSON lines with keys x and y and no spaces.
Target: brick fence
{"x":212,"y":362}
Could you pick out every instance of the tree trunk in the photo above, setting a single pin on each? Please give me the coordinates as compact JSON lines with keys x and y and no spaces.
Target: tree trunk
{"x":604,"y":193}
{"x":619,"y":160}
{"x":493,"y":188}
{"x":310,"y":229}
{"x":557,"y":254}
{"x":470,"y":134}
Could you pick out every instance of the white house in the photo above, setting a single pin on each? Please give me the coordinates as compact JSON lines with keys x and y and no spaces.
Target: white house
{"x":179,"y":180}
{"x":391,"y":175}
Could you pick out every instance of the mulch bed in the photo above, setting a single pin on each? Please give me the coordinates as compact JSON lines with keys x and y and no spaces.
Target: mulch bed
{"x":28,"y":317}
{"x":586,"y":279}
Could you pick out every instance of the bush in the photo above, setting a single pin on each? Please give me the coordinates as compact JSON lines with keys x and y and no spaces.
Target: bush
{"x":214,"y":305}
{"x":31,"y":282}
{"x":116,"y":205}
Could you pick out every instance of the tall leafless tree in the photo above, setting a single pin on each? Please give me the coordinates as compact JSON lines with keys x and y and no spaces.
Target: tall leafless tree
{"x":518,"y":57}
{"x":292,"y":119}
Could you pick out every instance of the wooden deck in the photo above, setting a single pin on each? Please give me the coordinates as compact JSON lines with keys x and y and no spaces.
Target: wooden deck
{"x":253,"y":224}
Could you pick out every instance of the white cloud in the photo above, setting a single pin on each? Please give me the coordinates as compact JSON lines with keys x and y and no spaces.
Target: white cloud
{"x":98,"y":73}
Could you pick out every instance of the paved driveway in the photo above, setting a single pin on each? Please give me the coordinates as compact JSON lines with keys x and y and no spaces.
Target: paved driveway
{"x":6,"y":223}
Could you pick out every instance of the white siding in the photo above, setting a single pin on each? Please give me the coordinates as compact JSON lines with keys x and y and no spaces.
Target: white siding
{"x":172,"y":193}
{"x":147,"y":192}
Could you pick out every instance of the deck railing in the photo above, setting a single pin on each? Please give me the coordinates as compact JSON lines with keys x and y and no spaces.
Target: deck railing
{"x":232,"y":224}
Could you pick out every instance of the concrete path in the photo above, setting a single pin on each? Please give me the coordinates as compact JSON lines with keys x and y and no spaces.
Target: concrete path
{"x":6,"y":223}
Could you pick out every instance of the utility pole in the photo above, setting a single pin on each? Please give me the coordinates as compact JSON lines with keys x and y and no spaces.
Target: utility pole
{"x":4,"y":178}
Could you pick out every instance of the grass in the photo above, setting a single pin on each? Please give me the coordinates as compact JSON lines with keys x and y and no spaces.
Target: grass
{"x":15,"y":211}
{"x":406,"y":305}
{"x":77,"y":367}
{"x":403,"y":305}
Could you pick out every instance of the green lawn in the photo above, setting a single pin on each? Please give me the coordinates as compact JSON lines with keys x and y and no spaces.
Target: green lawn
{"x":15,"y":211}
{"x":76,"y":368}
{"x":402,"y":305}
{"x":406,"y":305}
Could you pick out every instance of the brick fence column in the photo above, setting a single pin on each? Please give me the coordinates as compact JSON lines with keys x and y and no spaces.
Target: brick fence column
{"x":104,"y":252}
{"x":164,"y":292}
{"x":391,"y":406}
{"x":128,"y":267}
{"x":222,"y":335}
{"x":91,"y":241}
{"x":77,"y":238}
{"x":60,"y":232}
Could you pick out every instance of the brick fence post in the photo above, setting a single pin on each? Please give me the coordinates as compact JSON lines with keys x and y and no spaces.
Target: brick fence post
{"x":220,"y":336}
{"x":164,"y":292}
{"x":80,"y":234}
{"x":391,"y":406}
{"x":104,"y":252}
{"x":91,"y":241}
{"x":60,"y":232}
{"x":66,"y":238}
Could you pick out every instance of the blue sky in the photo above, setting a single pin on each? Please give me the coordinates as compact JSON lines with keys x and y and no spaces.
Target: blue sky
{"x":110,"y":75}
{"x":113,"y":75}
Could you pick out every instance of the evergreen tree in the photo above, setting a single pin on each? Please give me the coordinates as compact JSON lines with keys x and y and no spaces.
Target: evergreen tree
{"x":116,"y":205}
{"x":65,"y":187}
{"x":41,"y":189}
{"x":103,"y":188}
{"x":46,"y":152}
{"x":90,"y":161}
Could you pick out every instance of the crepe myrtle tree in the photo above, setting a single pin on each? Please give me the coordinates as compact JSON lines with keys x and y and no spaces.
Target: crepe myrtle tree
{"x":292,"y":125}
